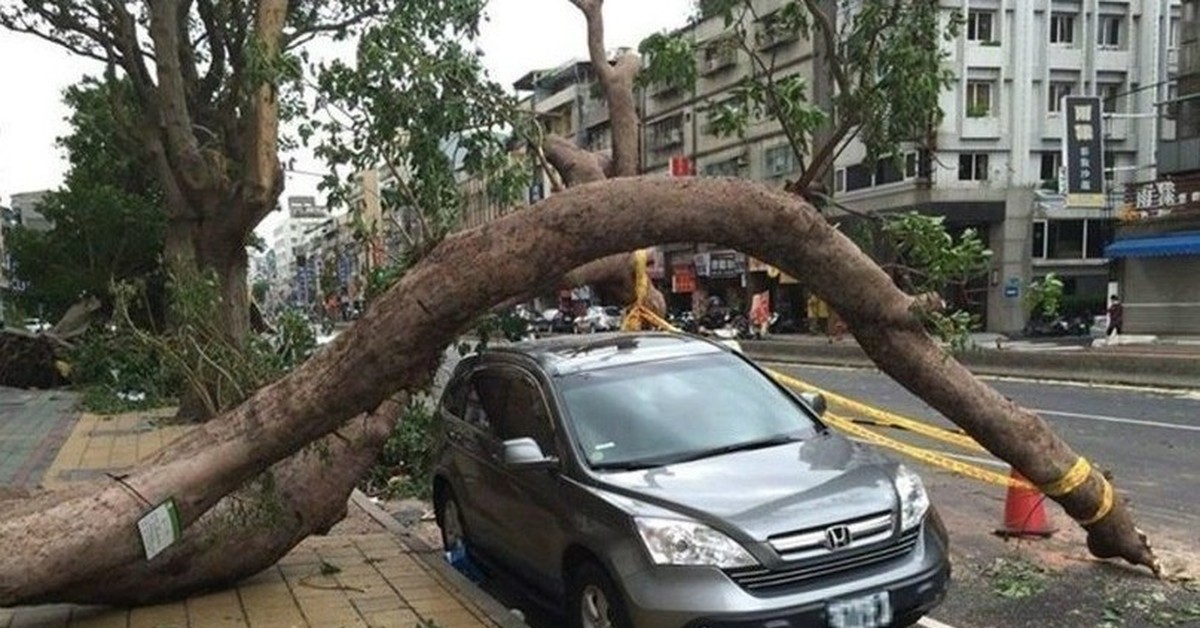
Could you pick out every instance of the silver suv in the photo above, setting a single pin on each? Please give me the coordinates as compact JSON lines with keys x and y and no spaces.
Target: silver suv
{"x":663,"y":480}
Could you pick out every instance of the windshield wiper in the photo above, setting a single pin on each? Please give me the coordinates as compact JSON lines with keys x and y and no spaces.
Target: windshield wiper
{"x":632,"y":465}
{"x":778,"y":439}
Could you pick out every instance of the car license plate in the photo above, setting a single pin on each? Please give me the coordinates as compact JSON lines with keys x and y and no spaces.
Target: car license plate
{"x":868,"y":611}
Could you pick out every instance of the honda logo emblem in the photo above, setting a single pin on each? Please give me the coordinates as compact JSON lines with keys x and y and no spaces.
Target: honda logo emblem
{"x":837,"y":537}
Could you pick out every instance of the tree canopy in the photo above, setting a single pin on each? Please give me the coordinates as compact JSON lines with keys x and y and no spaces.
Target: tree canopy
{"x":107,"y":219}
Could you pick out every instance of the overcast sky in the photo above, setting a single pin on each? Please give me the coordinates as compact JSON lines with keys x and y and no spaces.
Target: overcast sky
{"x":521,"y":35}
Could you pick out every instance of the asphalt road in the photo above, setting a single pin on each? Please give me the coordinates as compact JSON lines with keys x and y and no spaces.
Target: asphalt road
{"x":1149,"y":439}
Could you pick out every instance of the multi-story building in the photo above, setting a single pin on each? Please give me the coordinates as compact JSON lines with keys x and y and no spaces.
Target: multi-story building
{"x":678,"y":139}
{"x":1157,"y":251}
{"x":996,"y":160}
{"x":291,"y":277}
{"x":24,"y":213}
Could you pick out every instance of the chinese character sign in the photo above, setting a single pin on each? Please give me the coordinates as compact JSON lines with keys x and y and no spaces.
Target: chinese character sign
{"x":1084,"y":152}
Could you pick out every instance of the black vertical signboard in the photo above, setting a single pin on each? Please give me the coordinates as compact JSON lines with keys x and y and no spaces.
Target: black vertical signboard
{"x":1084,"y":151}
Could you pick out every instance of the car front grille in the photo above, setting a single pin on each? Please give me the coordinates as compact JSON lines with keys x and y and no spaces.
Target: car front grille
{"x":871,"y":544}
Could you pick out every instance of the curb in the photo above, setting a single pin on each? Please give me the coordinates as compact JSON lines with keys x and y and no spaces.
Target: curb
{"x":432,"y":558}
{"x":1095,"y":368}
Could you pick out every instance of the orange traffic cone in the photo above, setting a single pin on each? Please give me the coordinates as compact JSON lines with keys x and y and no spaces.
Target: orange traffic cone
{"x":1024,"y":514}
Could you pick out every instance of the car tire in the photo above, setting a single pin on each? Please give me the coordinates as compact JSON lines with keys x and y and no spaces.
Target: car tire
{"x":449,"y":520}
{"x":593,"y":600}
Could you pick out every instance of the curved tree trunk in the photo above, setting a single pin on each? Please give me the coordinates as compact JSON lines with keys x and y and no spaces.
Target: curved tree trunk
{"x":53,"y":545}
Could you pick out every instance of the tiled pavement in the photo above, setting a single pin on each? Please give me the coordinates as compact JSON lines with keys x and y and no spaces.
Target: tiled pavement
{"x":33,"y":425}
{"x":337,"y":581}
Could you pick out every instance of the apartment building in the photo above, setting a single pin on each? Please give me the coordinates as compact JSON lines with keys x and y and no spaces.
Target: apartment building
{"x":679,"y":140}
{"x":1157,"y":251}
{"x":998,"y":155}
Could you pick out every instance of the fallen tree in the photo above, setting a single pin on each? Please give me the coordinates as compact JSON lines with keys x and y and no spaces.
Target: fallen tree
{"x":57,"y":546}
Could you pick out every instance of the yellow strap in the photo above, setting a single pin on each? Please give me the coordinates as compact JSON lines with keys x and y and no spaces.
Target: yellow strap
{"x":1074,"y":478}
{"x":934,"y":458}
{"x":887,"y":418}
{"x":1106,"y":504}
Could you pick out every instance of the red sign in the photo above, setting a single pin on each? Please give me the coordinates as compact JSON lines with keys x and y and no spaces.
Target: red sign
{"x":683,"y":279}
{"x":682,"y":167}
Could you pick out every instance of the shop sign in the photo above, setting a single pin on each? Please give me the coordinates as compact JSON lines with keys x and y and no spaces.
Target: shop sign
{"x":1084,"y":152}
{"x":1165,"y":194}
{"x":726,"y":264}
{"x":683,"y":279}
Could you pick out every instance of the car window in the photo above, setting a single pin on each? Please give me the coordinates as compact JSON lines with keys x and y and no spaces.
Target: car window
{"x":454,"y":400}
{"x":657,"y":412}
{"x":522,"y":412}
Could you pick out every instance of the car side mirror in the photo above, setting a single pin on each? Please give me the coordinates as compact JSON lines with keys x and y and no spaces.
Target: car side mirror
{"x":524,"y":453}
{"x":816,"y":401}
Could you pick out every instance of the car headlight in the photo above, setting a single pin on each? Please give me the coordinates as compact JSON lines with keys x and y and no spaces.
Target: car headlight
{"x":914,"y":501}
{"x":677,"y":542}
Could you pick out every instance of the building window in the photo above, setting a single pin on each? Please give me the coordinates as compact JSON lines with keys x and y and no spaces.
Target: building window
{"x":1099,"y":234}
{"x":1113,"y":97}
{"x":888,"y":170}
{"x":1056,"y":92}
{"x":1064,"y":239}
{"x":1039,"y":239}
{"x":979,"y":99}
{"x":1110,"y":165}
{"x":1072,"y":239}
{"x":910,"y":165}
{"x":666,"y":134}
{"x":726,"y":168}
{"x":973,"y":167}
{"x":1051,"y":162}
{"x":1062,"y":28}
{"x":1110,"y":31}
{"x":858,"y":177}
{"x":979,"y":26}
{"x":839,"y":180}
{"x":780,"y":160}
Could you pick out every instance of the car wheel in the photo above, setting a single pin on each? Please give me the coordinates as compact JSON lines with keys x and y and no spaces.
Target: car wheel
{"x":449,"y":518}
{"x":594,"y":601}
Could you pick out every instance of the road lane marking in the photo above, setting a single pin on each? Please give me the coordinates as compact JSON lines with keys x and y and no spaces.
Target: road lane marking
{"x":1117,"y":419}
{"x":929,"y":622}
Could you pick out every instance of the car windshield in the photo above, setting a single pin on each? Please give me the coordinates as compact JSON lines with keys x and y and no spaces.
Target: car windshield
{"x":665,"y":412}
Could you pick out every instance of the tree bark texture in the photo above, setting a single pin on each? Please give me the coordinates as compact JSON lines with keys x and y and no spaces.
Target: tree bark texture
{"x":57,"y":545}
{"x":250,"y":529}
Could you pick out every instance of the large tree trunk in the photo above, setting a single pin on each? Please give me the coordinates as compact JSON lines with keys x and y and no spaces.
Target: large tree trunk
{"x":250,"y":529}
{"x":56,"y":544}
{"x":195,"y":251}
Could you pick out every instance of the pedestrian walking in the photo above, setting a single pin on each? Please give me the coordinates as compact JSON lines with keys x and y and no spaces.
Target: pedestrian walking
{"x":1116,"y":315}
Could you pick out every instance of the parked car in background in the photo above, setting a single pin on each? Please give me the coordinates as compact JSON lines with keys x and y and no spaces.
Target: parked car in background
{"x":36,"y":325}
{"x":560,"y":322}
{"x":662,"y":480}
{"x":598,"y":319}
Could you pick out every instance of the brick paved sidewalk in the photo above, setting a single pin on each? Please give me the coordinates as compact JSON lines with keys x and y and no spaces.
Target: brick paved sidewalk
{"x":343,"y":580}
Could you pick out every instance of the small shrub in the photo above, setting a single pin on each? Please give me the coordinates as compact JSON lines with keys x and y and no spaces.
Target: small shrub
{"x":403,"y":468}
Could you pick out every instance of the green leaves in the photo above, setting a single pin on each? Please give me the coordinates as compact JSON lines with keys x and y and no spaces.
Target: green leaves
{"x":930,"y":257}
{"x":416,"y":105}
{"x":671,"y":62}
{"x":108,"y":223}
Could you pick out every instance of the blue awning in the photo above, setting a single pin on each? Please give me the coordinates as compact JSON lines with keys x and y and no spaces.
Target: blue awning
{"x":1157,"y":246}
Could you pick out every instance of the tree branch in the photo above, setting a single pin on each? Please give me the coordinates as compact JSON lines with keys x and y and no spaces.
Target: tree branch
{"x":305,"y":35}
{"x":574,"y":164}
{"x":617,"y":82}
{"x":182,"y":148}
{"x":264,"y":178}
{"x":823,"y":158}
